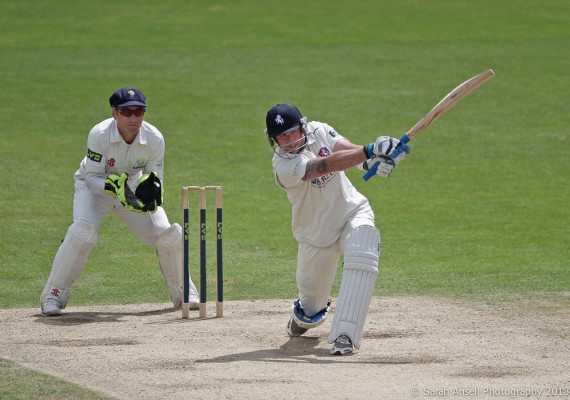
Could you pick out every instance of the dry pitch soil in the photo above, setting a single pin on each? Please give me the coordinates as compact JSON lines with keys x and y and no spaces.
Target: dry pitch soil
{"x":412,"y":348}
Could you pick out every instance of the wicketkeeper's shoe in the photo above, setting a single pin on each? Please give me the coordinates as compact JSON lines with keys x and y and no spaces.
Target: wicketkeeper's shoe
{"x":342,"y":346}
{"x":50,"y":307}
{"x":193,"y":300}
{"x":176,"y":297}
{"x":295,"y":330}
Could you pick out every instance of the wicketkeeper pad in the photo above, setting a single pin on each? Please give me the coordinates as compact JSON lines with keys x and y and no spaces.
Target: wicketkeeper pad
{"x":169,"y":250}
{"x":70,"y":259}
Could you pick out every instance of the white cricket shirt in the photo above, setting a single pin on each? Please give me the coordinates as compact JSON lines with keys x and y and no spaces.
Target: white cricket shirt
{"x":108,"y":153}
{"x":321,"y":207}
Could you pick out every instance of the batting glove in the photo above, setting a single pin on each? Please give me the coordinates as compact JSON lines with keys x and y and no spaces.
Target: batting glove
{"x":384,"y":166}
{"x":385,"y":146}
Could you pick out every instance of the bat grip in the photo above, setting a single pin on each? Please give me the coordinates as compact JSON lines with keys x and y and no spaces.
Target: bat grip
{"x":371,"y":172}
{"x":405,"y":138}
{"x":397,"y":151}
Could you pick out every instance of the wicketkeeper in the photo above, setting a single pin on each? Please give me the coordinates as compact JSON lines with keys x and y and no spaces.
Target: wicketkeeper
{"x":121,"y":174}
{"x":330,"y":219}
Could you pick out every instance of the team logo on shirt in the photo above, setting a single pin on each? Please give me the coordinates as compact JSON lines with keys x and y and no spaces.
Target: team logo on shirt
{"x":140,"y":163}
{"x":324,"y":152}
{"x":323,"y":180}
{"x":333,"y":133}
{"x":111,"y":162}
{"x":94,"y":156}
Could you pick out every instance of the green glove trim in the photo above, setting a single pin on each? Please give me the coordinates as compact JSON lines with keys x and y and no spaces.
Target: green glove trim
{"x":112,"y":184}
{"x":117,"y":185}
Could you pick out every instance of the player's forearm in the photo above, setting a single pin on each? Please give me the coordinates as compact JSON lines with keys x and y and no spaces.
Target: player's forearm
{"x":95,"y":183}
{"x":337,"y":161}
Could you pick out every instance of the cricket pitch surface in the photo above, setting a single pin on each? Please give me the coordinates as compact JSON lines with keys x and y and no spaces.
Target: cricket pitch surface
{"x":413,"y":347}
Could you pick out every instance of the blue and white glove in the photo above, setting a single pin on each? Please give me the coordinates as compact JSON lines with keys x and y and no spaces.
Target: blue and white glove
{"x":384,"y":167}
{"x":384,"y":146}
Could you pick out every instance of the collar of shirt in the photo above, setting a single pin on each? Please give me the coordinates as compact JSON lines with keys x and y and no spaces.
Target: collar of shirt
{"x":116,"y":136}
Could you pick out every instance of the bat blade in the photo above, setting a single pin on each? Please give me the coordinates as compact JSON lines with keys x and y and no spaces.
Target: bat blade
{"x":444,"y":105}
{"x":451,"y":99}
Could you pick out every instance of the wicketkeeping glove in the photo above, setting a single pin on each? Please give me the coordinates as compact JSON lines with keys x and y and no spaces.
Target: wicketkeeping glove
{"x":149,"y":190}
{"x":117,"y":186}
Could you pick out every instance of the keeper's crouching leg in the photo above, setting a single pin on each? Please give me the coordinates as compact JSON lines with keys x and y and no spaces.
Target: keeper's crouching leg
{"x":357,"y":286}
{"x":169,"y":250}
{"x":68,"y":263}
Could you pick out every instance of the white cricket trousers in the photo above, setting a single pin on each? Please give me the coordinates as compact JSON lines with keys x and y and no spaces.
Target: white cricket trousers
{"x":91,"y":207}
{"x":317,"y":267}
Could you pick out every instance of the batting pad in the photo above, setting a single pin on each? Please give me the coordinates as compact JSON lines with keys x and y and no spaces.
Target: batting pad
{"x":70,"y":259}
{"x":357,"y":285}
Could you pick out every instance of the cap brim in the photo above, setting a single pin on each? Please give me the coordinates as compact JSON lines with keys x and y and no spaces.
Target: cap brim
{"x":131,"y":103}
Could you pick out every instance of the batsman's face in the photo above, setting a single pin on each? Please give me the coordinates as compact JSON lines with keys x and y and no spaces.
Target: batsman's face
{"x":129,"y":119}
{"x":291,"y":141}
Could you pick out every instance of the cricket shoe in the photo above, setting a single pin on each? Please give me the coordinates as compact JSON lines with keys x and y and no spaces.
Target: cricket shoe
{"x":193,"y":298}
{"x":295,"y":330}
{"x":51,"y":307}
{"x":194,"y":301}
{"x":342,"y":346}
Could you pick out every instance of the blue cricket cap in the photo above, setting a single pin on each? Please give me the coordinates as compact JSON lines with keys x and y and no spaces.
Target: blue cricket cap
{"x":126,"y":97}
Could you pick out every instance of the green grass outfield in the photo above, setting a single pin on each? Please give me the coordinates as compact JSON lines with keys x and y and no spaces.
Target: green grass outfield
{"x":478,"y":209}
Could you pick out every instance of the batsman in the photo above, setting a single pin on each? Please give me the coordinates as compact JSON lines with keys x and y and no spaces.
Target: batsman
{"x":330,"y":219}
{"x":121,"y":174}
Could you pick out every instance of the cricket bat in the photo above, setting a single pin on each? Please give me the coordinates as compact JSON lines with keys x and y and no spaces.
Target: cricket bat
{"x":452,"y":98}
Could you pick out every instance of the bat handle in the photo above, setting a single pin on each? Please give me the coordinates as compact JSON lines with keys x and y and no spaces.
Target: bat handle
{"x":371,"y":172}
{"x":397,"y":151}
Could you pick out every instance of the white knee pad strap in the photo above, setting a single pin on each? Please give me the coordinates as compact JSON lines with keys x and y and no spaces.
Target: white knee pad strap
{"x":169,"y":249}
{"x":357,"y":286}
{"x":70,"y":259}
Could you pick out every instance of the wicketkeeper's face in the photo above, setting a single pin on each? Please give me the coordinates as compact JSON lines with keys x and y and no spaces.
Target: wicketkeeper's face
{"x":129,"y":119}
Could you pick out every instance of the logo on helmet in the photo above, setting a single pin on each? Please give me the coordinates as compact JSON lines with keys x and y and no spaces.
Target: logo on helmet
{"x":279,"y":120}
{"x":131,"y":93}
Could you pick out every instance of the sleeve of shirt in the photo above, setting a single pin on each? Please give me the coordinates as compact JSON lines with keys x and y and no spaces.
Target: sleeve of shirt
{"x":291,"y":172}
{"x":95,"y":162}
{"x":332,"y":136}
